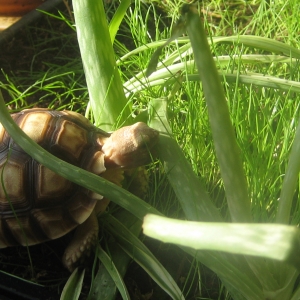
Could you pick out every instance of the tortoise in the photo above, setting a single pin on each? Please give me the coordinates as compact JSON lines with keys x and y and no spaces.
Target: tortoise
{"x":36,"y":204}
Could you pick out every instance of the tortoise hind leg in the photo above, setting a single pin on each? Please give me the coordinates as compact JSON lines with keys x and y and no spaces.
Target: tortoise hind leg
{"x":83,"y":241}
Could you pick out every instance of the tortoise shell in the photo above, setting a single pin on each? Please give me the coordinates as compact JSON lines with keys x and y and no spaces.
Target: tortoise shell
{"x":36,"y":204}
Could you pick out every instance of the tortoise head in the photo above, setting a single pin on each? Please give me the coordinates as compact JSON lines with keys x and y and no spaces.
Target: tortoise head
{"x":130,"y":146}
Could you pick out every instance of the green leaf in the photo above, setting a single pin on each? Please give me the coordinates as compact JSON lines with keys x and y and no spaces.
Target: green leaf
{"x":72,"y":288}
{"x":290,"y":182}
{"x":106,"y":291}
{"x":188,"y":187}
{"x":264,"y":240}
{"x":103,"y":285}
{"x":118,"y":18}
{"x":227,"y":150}
{"x":106,"y":93}
{"x":266,"y":44}
{"x":119,"y":258}
{"x":250,"y":78}
{"x":142,"y":255}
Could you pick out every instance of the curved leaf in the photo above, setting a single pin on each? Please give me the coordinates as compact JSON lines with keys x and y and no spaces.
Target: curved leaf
{"x":142,"y":255}
{"x":73,"y":286}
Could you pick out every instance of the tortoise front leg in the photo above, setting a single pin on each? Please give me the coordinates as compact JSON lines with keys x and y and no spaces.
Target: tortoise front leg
{"x":82,"y":243}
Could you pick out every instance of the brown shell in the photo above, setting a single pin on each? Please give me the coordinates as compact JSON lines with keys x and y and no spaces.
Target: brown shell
{"x":47,"y":206}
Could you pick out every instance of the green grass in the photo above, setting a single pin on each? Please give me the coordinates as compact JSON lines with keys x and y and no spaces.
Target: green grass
{"x":264,"y":118}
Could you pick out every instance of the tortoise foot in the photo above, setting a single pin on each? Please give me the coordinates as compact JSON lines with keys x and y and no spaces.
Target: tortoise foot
{"x":82,"y":243}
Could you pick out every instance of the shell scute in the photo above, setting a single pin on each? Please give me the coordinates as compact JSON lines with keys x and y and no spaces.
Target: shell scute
{"x":81,"y":205}
{"x":36,"y":125}
{"x":54,"y":222}
{"x":6,"y":239}
{"x":71,"y":139}
{"x":96,"y":164}
{"x":14,"y":190}
{"x":24,"y":230}
{"x":2,"y":132}
{"x":49,"y":185}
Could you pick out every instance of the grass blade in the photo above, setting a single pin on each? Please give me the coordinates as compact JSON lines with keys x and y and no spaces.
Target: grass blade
{"x":261,"y":43}
{"x":120,"y":259}
{"x":103,"y":286}
{"x":290,"y":182}
{"x":116,"y":279}
{"x":252,"y":41}
{"x":117,"y":19}
{"x":72,"y":288}
{"x":140,"y":253}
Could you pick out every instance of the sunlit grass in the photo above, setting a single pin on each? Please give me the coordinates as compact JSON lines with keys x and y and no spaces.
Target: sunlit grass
{"x":264,"y":120}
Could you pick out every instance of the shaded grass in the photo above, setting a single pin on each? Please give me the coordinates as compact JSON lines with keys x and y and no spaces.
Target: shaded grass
{"x":41,"y":66}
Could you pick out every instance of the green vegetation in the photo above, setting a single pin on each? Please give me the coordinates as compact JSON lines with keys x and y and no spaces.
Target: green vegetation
{"x":219,"y":172}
